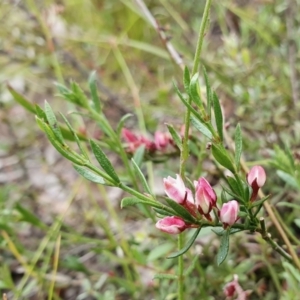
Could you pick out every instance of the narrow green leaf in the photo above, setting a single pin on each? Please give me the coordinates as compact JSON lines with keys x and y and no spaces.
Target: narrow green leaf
{"x":139,"y":155}
{"x":186,"y":79}
{"x":180,"y":210}
{"x":79,"y":95}
{"x":238,"y":145}
{"x":201,"y":127}
{"x":165,"y":276}
{"x":89,"y":175}
{"x":289,"y":179}
{"x":224,"y":248}
{"x":218,"y":115}
{"x":53,"y":123}
{"x":40,"y":113}
{"x":175,"y":136}
{"x":222,"y":157}
{"x":192,"y":266}
{"x":129,"y":201}
{"x":121,"y":123}
{"x":141,"y":177}
{"x":163,"y":212}
{"x":221,"y":231}
{"x":234,"y":185}
{"x":94,"y":93}
{"x":187,"y":246}
{"x":208,"y":92}
{"x":104,"y":162}
{"x":259,"y":202}
{"x":194,"y":94}
{"x":29,"y":217}
{"x":21,"y":100}
{"x":159,"y":251}
{"x":184,"y":101}
{"x":83,"y":152}
{"x":64,"y":150}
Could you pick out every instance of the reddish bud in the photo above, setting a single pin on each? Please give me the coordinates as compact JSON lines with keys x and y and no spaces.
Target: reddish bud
{"x":172,"y":225}
{"x":229,"y":213}
{"x":161,"y":140}
{"x":205,"y":196}
{"x":257,"y":177}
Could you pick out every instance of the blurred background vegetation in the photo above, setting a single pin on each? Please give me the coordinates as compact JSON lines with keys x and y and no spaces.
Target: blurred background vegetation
{"x":53,"y":221}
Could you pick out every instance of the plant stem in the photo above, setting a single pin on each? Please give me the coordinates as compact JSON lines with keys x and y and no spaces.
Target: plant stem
{"x":185,"y":150}
{"x":180,"y":269}
{"x":267,"y":237}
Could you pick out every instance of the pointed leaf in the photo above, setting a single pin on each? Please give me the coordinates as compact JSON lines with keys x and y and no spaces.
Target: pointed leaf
{"x":79,"y":95}
{"x":224,"y":248}
{"x":186,"y":79}
{"x":53,"y":122}
{"x":289,"y":179}
{"x":139,"y":155}
{"x":165,"y":276}
{"x":163,"y":212}
{"x":180,"y":210}
{"x":194,"y":94}
{"x":89,"y":175}
{"x":192,"y":266}
{"x":94,"y":93}
{"x":184,"y":101}
{"x":40,"y":113}
{"x":259,"y":202}
{"x":218,"y":115}
{"x":64,"y":150}
{"x":222,"y":157}
{"x":121,"y":123}
{"x":141,"y":177}
{"x":83,"y":152}
{"x":175,"y":136}
{"x":21,"y":100}
{"x":129,"y":201}
{"x":187,"y":246}
{"x":104,"y":162}
{"x":208,"y":92}
{"x":238,"y":145}
{"x":29,"y":217}
{"x":201,"y":127}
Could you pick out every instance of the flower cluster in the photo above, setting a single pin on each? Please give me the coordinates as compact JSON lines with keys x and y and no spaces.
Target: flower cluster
{"x":202,"y":203}
{"x":161,"y":141}
{"x":199,"y":205}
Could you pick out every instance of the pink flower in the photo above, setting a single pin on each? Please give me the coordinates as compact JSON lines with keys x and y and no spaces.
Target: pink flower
{"x":134,"y":141}
{"x":205,"y":196}
{"x":233,"y":288}
{"x":161,"y":140}
{"x":229,"y":213}
{"x":172,"y":225}
{"x":175,"y":189}
{"x":256,"y":177}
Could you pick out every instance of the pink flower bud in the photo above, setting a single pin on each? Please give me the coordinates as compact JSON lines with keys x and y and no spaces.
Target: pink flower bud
{"x":205,"y":196}
{"x":161,"y":140}
{"x":175,"y":189}
{"x":229,"y":213}
{"x":129,"y":136}
{"x":172,"y":225}
{"x":256,"y":177}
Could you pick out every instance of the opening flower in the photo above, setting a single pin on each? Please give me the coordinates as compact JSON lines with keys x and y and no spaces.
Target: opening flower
{"x":171,"y":225}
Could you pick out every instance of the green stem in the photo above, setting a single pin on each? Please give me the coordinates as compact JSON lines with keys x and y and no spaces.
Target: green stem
{"x":180,"y":269}
{"x":185,"y":150}
{"x":267,"y":237}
